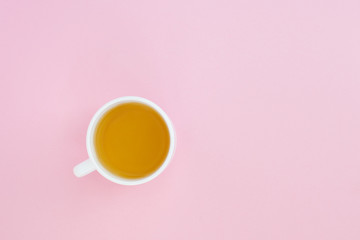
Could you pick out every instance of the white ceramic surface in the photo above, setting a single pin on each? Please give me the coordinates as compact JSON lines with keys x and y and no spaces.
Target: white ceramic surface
{"x":93,"y":162}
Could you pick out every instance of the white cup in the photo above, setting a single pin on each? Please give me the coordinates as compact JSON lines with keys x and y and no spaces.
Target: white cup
{"x":93,"y":162}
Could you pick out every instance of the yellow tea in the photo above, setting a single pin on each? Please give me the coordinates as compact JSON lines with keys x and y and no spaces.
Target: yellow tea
{"x":132,"y":140}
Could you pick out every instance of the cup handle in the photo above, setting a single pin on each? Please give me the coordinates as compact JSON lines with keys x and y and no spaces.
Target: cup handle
{"x":84,"y":168}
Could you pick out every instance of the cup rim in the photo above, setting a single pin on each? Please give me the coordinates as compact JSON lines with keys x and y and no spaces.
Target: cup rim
{"x":90,"y":140}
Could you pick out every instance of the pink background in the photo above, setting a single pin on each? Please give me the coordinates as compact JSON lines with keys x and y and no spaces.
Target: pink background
{"x":264,"y":96}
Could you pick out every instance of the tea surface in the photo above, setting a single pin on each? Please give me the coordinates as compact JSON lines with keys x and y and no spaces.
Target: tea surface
{"x":132,"y":140}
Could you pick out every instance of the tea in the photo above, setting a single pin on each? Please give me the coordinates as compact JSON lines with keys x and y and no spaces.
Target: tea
{"x":132,"y":140}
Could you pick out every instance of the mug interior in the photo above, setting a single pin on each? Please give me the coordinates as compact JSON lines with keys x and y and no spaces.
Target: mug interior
{"x":91,"y":146}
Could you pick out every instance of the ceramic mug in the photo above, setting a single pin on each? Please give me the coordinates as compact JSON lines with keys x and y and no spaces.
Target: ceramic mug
{"x":93,"y":162}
